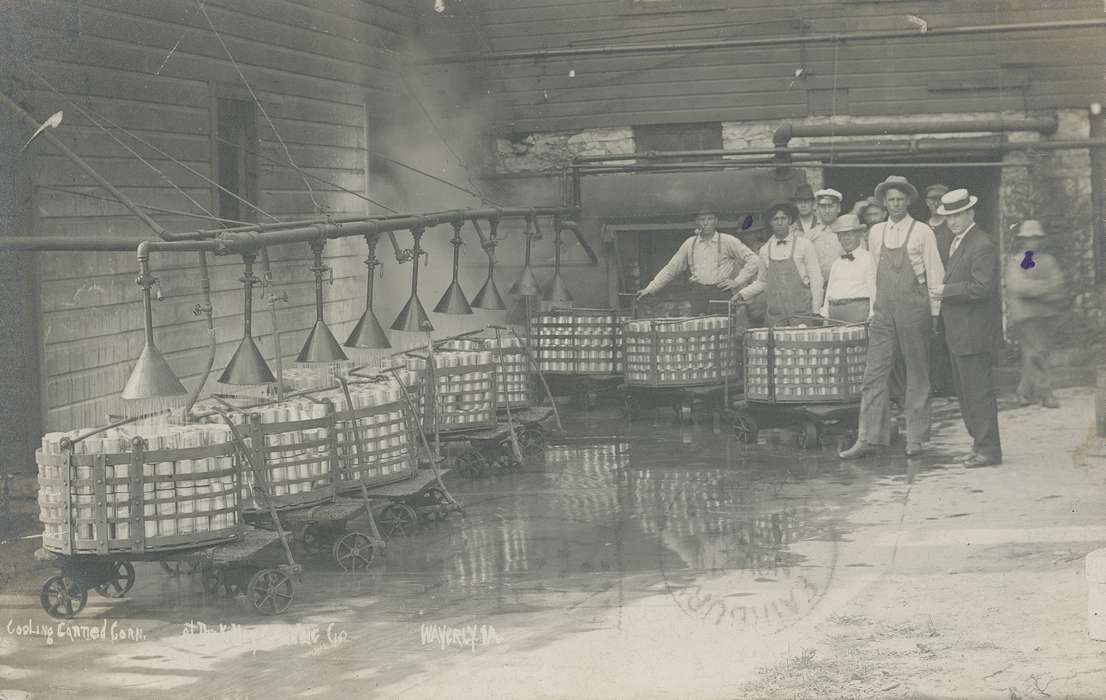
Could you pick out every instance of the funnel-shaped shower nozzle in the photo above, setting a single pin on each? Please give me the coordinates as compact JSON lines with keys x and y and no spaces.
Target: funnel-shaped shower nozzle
{"x":152,"y":378}
{"x":558,"y":291}
{"x":247,"y":366}
{"x":321,"y":346}
{"x":488,"y":297}
{"x":526,"y":285}
{"x":413,"y":318}
{"x":368,"y":333}
{"x":453,"y":301}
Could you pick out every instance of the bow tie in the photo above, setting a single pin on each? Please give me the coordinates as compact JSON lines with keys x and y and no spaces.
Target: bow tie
{"x":849,"y":256}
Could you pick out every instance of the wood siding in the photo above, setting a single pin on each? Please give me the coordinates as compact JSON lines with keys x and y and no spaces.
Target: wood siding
{"x":986,"y":73}
{"x":153,"y":66}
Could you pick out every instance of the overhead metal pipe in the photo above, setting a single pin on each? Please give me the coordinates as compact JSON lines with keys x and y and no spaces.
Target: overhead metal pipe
{"x":798,"y":40}
{"x":568,"y":225}
{"x":787,"y":131}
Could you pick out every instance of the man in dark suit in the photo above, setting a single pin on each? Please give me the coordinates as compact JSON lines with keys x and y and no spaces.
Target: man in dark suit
{"x":968,"y":310}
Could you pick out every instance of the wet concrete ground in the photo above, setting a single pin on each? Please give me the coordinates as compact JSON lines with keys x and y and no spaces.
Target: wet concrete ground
{"x":644,"y":560}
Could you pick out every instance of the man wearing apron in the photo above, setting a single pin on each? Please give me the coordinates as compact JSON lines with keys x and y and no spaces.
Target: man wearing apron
{"x":789,"y":274}
{"x":906,"y":262}
{"x":711,"y":258}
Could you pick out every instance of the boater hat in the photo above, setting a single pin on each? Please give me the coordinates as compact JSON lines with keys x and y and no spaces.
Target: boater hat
{"x":896,"y":182}
{"x":786,"y":207}
{"x":832,"y":193}
{"x":846,"y":223}
{"x":956,"y":201}
{"x":1031,"y":228}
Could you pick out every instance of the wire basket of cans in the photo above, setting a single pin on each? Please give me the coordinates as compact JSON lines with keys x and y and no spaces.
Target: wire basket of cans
{"x":135,"y":490}
{"x":799,"y":364}
{"x":682,"y":352}
{"x":512,"y":379}
{"x":460,"y":390}
{"x":578,"y":341}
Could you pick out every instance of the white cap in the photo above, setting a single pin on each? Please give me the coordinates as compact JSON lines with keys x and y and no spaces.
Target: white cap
{"x":828,"y":193}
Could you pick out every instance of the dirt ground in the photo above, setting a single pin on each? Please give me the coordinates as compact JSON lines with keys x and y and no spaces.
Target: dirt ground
{"x":980,"y":590}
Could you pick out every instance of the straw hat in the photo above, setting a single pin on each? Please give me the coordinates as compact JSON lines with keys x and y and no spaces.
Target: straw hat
{"x":896,"y":182}
{"x":828,"y":192}
{"x":846,"y":223}
{"x":956,"y":201}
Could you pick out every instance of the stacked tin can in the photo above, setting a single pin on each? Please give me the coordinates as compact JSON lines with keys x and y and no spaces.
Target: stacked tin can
{"x":681,"y":351}
{"x":137,"y":488}
{"x":512,"y":379}
{"x":805,"y":365}
{"x":579,"y":341}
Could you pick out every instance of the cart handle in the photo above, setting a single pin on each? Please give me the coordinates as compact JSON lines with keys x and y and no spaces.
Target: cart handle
{"x":125,"y":421}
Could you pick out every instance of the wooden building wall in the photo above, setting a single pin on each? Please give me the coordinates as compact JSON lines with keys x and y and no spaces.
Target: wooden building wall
{"x":986,"y":73}
{"x":323,"y":70}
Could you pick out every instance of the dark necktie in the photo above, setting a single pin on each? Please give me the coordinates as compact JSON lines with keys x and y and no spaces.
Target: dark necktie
{"x":779,"y":242}
{"x":849,"y":256}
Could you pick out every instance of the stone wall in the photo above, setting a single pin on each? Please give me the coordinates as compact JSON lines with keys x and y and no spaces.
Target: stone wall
{"x":1054,"y":187}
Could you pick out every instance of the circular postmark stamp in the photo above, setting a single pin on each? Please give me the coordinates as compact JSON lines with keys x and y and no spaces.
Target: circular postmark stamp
{"x":732,"y":553}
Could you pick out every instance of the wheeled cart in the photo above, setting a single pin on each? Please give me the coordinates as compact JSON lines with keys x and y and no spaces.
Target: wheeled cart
{"x":255,"y":564}
{"x":495,"y":448}
{"x":637,"y":400}
{"x":817,"y":424}
{"x":421,"y":498}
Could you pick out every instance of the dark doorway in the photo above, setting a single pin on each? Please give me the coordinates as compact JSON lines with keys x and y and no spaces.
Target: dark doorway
{"x":859,"y":183}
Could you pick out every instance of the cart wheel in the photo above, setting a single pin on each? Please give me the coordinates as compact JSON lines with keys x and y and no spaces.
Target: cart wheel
{"x":179,"y":567}
{"x":808,"y":435}
{"x":62,"y":597}
{"x":270,"y":591}
{"x":472,"y":463}
{"x":745,"y":427}
{"x":212,"y":579}
{"x":353,"y":551}
{"x":121,"y":581}
{"x":531,"y":440}
{"x":436,"y":497}
{"x":312,"y":540}
{"x":398,"y":520}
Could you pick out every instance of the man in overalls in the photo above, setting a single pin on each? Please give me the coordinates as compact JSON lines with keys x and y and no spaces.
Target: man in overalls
{"x":789,"y":274}
{"x":905,"y":263}
{"x":710,"y":257}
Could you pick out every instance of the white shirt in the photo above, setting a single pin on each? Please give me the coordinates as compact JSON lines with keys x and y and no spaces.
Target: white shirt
{"x":957,"y":239}
{"x":851,"y":279}
{"x":922,"y":253}
{"x":709,"y":261}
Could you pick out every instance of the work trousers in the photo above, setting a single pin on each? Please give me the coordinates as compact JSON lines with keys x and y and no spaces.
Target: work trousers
{"x":892,"y":335}
{"x":1035,"y":337}
{"x":978,"y":406}
{"x":941,"y":378}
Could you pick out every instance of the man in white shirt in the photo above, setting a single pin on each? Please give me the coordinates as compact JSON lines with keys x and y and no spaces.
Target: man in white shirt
{"x":789,"y":275}
{"x":803,"y":199}
{"x":826,"y":245}
{"x":905,"y":263}
{"x":849,"y":291}
{"x":711,"y":258}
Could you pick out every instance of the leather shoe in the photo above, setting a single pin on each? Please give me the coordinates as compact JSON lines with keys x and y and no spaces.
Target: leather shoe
{"x":1050,"y":403}
{"x":966,"y":458}
{"x":981,"y":461}
{"x":914,"y":450}
{"x":860,"y":449}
